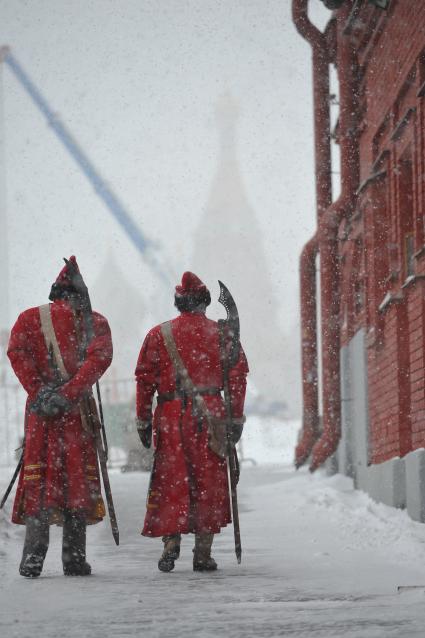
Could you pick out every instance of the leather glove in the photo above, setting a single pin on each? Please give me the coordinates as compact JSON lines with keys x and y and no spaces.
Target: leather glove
{"x":237,"y":428}
{"x":144,"y":430}
{"x":56,"y":405}
{"x":50,"y":403}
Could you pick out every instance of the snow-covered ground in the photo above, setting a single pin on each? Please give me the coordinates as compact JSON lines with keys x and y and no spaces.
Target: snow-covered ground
{"x":319,"y":559}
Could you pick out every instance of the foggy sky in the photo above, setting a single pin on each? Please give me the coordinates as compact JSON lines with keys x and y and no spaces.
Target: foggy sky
{"x":137,"y":82}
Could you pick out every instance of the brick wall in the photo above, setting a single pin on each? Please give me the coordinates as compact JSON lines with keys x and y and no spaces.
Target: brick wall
{"x":389,"y":225}
{"x":416,"y":302}
{"x":394,"y":48}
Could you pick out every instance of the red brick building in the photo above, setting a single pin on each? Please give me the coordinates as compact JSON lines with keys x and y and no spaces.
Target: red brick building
{"x":371,"y":248}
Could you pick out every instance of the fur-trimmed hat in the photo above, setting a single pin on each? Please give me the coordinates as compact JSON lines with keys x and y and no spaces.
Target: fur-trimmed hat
{"x":191,"y":293}
{"x":63,"y":284}
{"x":191,"y":284}
{"x":63,"y":277}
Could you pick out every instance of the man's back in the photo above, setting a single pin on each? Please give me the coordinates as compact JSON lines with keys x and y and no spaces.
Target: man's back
{"x":27,"y":349}
{"x":197,"y":342}
{"x":59,"y":480}
{"x":189,"y":490}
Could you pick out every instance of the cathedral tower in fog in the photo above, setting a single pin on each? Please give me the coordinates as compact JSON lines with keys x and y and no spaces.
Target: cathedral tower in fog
{"x":229,"y":246}
{"x":124,"y":308}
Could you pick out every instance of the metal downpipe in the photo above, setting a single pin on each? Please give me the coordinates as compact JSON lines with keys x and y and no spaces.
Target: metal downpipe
{"x":310,"y":430}
{"x":328,"y":247}
{"x":308,"y":288}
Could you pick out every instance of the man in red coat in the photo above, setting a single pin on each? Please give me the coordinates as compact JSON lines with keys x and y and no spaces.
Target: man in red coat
{"x":189,"y":490}
{"x":59,"y":480}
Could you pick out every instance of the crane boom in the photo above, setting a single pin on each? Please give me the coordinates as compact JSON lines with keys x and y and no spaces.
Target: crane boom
{"x":123,"y":217}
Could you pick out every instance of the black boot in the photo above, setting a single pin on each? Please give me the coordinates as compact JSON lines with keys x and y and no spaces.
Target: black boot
{"x":35,"y":546}
{"x":74,"y":545}
{"x":171,"y":552}
{"x":202,"y":560}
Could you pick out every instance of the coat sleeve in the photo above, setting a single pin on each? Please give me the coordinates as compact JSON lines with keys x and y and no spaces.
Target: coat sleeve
{"x":22,"y":357}
{"x":237,"y":384}
{"x":97,"y":361}
{"x":147,"y":371}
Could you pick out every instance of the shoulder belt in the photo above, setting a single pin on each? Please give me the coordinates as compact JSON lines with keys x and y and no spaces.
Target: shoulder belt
{"x":51,"y":340}
{"x":180,"y":369}
{"x":53,"y":347}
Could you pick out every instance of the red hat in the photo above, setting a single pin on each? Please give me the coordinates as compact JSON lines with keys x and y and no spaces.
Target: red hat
{"x":191,"y":285}
{"x":63,"y":277}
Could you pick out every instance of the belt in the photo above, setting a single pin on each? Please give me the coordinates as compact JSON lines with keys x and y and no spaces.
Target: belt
{"x":183,"y":396}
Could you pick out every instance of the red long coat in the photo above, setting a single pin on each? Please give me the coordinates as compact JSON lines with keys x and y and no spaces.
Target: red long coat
{"x":189,"y":488}
{"x":60,"y":468}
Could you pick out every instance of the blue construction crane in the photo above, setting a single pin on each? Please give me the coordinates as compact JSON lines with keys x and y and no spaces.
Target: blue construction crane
{"x":144,"y":245}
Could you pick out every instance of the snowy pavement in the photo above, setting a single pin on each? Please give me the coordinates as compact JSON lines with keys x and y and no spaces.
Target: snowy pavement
{"x":319,"y":559}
